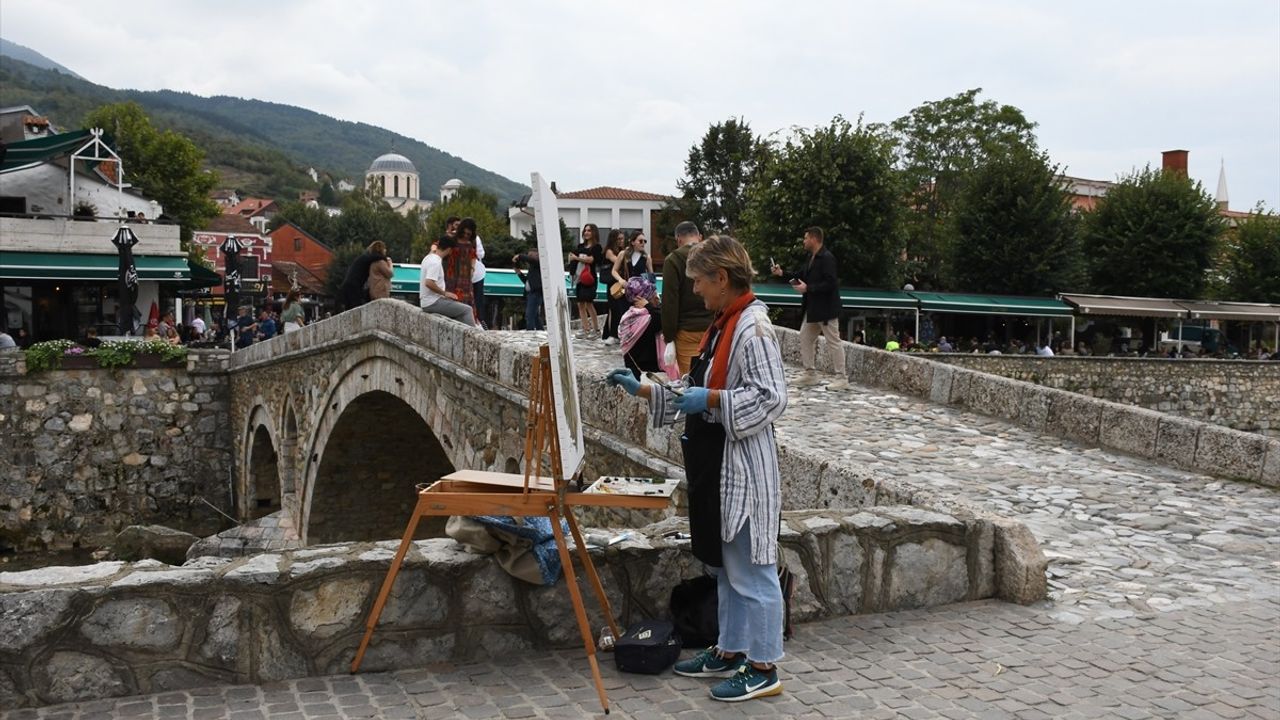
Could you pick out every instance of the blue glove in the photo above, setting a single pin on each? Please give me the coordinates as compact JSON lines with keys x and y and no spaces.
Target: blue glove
{"x":694,"y":400}
{"x":624,"y":378}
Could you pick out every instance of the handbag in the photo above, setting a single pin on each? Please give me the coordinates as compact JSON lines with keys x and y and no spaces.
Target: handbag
{"x":586,"y":277}
{"x":617,"y":290}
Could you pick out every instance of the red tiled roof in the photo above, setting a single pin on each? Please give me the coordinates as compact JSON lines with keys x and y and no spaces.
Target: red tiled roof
{"x":235,"y":224}
{"x":604,"y":192}
{"x":249,"y":206}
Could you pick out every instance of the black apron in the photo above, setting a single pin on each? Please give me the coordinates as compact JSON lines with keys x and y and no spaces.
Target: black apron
{"x":703,"y":446}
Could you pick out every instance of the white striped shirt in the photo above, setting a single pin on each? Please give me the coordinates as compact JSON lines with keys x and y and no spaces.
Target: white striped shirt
{"x":754,"y":397}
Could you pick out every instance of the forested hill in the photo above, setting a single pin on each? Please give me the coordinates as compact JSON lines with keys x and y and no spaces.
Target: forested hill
{"x":258,"y":147}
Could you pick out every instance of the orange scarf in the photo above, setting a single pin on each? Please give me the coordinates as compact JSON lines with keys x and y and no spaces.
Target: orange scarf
{"x":725,"y":323}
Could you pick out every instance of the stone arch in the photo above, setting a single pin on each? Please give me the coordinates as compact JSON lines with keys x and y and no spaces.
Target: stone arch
{"x":260,"y":476}
{"x":373,"y":442}
{"x":289,"y":456}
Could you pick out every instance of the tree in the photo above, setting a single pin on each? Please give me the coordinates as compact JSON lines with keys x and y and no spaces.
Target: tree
{"x":1248,"y":268}
{"x":1013,"y":229}
{"x":1152,"y":234}
{"x":840,"y":178}
{"x":165,"y":166}
{"x":939,"y":143}
{"x":315,"y":221}
{"x":343,"y":256}
{"x":367,"y":217}
{"x":328,"y":196}
{"x":717,"y":172}
{"x":468,"y":202}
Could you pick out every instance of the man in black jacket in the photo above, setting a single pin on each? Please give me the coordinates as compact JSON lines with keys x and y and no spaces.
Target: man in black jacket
{"x":819,"y":287}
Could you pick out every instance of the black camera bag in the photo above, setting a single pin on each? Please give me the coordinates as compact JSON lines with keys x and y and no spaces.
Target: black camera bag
{"x":647,"y":647}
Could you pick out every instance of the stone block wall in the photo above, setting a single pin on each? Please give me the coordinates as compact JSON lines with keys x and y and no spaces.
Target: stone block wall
{"x":1239,"y":394}
{"x":1183,"y":442}
{"x":88,"y":452}
{"x":119,"y":629}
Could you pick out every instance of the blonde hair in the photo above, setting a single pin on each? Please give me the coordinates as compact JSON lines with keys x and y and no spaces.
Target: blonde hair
{"x":721,"y":252}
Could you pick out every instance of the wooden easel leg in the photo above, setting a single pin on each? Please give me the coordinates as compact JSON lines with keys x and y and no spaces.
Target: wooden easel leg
{"x":387,"y":584}
{"x":587,"y":640}
{"x":590,"y":567}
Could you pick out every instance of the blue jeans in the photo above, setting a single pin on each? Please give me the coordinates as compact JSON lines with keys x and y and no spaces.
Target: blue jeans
{"x":750,"y":602}
{"x":533,"y":310}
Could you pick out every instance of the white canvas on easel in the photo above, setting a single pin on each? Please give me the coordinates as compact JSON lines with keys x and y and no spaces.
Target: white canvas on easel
{"x":555,"y":301}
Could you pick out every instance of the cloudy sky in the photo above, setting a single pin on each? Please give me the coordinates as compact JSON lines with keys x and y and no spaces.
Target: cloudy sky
{"x":596,"y":93}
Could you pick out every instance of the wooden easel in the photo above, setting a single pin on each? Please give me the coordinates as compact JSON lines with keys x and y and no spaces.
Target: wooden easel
{"x":470,"y":492}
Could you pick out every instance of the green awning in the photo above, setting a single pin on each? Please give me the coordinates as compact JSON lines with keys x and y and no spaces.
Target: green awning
{"x":28,"y":152}
{"x":83,"y":266}
{"x":783,"y":295}
{"x":991,"y":305}
{"x":505,"y":283}
{"x":497,"y":282}
{"x":202,"y":277}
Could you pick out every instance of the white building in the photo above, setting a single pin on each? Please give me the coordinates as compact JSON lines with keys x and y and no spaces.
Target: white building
{"x":58,"y":266}
{"x":396,"y":179}
{"x":607,"y":207}
{"x":449,"y":189}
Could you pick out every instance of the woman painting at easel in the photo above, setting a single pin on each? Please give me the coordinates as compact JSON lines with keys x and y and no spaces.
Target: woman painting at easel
{"x":731,"y":398}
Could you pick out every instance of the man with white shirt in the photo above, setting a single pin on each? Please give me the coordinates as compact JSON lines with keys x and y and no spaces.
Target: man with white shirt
{"x":197,"y":327}
{"x":432,"y":296}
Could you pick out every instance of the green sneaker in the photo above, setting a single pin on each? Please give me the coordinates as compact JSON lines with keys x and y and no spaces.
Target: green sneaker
{"x":709,"y":664}
{"x":748,"y":683}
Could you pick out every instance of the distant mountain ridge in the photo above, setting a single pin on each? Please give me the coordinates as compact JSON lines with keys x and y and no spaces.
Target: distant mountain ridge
{"x":257,"y":146}
{"x":8,"y":48}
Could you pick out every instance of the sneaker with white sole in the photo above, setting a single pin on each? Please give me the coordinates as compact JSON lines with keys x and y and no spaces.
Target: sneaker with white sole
{"x":748,"y":683}
{"x":708,"y":663}
{"x":838,"y":384}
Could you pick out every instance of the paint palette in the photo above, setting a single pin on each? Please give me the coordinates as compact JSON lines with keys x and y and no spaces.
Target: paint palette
{"x":642,"y":486}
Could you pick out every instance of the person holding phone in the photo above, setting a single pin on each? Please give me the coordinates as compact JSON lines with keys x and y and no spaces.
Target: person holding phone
{"x":733,"y":395}
{"x":819,"y":288}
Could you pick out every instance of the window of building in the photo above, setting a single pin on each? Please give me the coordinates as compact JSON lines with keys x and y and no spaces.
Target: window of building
{"x":297,"y":244}
{"x":395,"y":184}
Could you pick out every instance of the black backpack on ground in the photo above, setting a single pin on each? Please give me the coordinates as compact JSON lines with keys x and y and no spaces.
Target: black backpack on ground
{"x":647,"y":647}
{"x":694,"y":606}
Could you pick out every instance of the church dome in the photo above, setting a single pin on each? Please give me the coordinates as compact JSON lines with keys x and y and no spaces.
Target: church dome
{"x":392,"y":162}
{"x":453,"y":184}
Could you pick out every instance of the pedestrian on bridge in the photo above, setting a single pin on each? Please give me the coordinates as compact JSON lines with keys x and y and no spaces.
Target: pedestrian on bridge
{"x":433,"y":296}
{"x":819,"y":288}
{"x":736,"y":391}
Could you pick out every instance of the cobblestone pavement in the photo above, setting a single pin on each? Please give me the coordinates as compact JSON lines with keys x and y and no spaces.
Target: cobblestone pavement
{"x":1164,"y":585}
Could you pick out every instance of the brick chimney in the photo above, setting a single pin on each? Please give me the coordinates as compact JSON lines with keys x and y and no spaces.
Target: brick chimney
{"x":1175,"y":161}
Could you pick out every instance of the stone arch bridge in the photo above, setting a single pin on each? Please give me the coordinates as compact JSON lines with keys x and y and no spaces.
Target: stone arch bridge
{"x":335,"y":424}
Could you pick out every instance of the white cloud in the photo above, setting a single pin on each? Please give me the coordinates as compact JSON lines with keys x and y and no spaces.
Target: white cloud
{"x":596,"y":93}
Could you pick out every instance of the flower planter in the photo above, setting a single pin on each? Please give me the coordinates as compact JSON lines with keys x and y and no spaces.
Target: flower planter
{"x":79,"y":362}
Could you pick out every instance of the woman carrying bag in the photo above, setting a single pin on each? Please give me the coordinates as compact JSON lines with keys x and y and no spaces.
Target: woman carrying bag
{"x":731,"y":399}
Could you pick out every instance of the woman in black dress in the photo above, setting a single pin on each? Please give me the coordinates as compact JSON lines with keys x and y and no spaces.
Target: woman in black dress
{"x":583,"y":261}
{"x":613,"y":251}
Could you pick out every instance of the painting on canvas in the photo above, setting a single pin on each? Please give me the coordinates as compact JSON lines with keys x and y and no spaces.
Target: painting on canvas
{"x":555,"y":300}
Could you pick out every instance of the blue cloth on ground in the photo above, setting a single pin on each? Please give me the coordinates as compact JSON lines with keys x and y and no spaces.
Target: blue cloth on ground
{"x":537,"y":530}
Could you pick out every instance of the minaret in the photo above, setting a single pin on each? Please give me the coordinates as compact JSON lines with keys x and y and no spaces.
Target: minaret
{"x":1222,"y":186}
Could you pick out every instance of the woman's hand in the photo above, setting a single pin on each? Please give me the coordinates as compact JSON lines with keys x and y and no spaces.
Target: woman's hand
{"x":693,"y":401}
{"x":624,"y":378}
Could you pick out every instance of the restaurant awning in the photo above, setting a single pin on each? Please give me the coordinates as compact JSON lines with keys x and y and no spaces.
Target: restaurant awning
{"x":782,"y":295}
{"x":31,"y":152}
{"x":1124,"y":306}
{"x":497,"y":282}
{"x":1247,"y":312}
{"x":991,"y":305}
{"x":84,"y":266}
